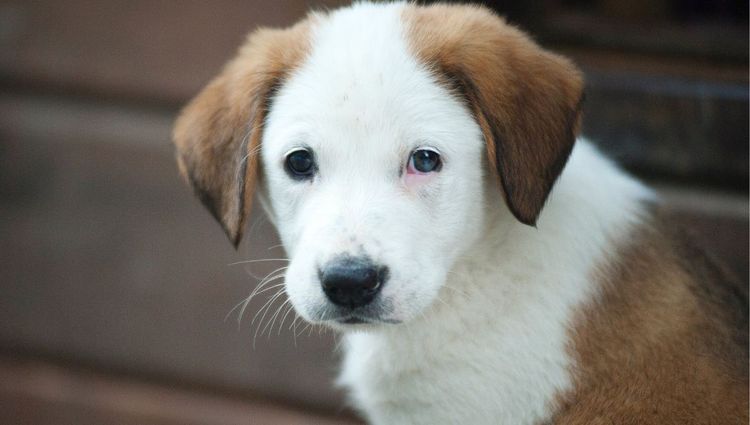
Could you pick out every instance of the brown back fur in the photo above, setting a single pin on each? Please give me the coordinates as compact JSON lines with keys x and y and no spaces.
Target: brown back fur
{"x":664,"y":343}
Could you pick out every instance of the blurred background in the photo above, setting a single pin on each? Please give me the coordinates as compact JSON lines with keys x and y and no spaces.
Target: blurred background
{"x":115,"y":282}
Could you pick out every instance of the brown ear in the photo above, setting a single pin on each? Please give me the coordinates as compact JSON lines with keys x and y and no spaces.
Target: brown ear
{"x":218,"y":134}
{"x":525,"y":99}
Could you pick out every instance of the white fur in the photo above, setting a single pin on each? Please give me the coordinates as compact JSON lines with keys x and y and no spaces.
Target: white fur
{"x":485,"y":301}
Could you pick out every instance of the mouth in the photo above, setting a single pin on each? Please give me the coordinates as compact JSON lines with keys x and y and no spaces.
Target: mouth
{"x":362,"y":320}
{"x":353,"y":317}
{"x":352,"y":321}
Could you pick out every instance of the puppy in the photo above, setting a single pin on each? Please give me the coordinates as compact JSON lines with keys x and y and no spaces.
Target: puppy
{"x":407,"y":156}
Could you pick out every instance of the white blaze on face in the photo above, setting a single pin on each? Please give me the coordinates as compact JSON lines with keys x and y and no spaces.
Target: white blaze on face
{"x":361,"y":104}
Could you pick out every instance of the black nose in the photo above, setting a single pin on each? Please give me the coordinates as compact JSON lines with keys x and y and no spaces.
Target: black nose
{"x":352,"y":281}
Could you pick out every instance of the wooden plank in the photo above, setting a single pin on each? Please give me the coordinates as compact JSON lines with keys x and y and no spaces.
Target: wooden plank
{"x":163,"y":49}
{"x":689,"y":131}
{"x":44,"y":393}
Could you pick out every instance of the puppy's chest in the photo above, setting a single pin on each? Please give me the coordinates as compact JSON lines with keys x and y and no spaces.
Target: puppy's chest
{"x":489,"y":377}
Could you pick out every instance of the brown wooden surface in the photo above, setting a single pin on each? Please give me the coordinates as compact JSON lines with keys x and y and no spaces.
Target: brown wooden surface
{"x":155,"y":50}
{"x":42,"y":393}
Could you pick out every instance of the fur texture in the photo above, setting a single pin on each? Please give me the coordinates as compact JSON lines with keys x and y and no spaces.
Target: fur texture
{"x":564,"y":304}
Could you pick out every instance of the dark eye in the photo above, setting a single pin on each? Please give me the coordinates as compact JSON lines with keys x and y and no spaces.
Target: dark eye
{"x":425,"y":161}
{"x":300,"y":164}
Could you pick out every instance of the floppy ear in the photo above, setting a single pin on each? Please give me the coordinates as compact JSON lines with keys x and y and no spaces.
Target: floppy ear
{"x":218,"y":134}
{"x":526,"y":100}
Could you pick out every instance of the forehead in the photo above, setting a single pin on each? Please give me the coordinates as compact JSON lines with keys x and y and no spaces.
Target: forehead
{"x":361,"y":82}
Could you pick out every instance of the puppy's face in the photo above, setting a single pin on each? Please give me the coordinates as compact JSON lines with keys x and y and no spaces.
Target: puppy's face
{"x":378,"y":134}
{"x":373,"y":174}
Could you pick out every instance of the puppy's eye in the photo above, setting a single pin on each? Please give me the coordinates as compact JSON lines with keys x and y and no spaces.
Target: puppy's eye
{"x":300,"y":164}
{"x":424,"y":161}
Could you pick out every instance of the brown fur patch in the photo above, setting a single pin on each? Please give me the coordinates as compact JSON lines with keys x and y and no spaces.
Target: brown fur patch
{"x":664,"y":343}
{"x":218,"y":133}
{"x":526,"y":100}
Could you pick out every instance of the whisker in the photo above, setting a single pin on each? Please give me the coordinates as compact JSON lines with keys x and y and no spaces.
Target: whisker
{"x":272,"y":320}
{"x":304,"y":329}
{"x":266,"y":307}
{"x":283,"y":319}
{"x":247,"y":300}
{"x":257,"y":261}
{"x":257,"y":291}
{"x":251,"y":274}
{"x":269,"y":277}
{"x":293,"y":328}
{"x":257,"y":221}
{"x":248,"y":271}
{"x":233,"y":309}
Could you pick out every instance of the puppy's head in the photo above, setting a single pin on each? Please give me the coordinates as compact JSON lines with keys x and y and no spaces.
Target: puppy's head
{"x":380,"y":136}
